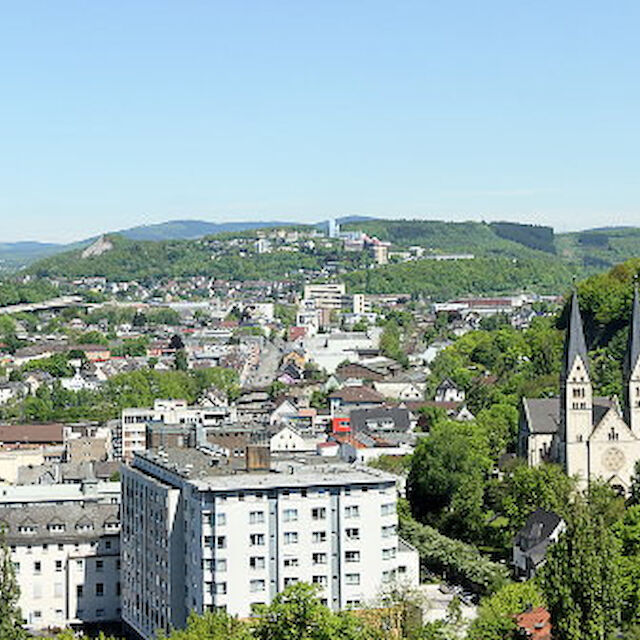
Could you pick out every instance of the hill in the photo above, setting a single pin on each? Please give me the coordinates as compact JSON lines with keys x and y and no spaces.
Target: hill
{"x":192,"y":229}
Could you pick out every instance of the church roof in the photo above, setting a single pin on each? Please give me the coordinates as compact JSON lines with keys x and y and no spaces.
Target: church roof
{"x":575,"y":344}
{"x":633,"y":352}
{"x":543,"y":414}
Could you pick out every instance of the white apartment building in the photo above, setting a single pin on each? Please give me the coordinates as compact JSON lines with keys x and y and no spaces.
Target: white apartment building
{"x":67,"y":562}
{"x":326,"y":296}
{"x":197,"y":537}
{"x":175,"y":412}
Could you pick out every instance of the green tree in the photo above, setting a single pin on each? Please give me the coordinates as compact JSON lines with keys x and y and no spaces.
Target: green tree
{"x":496,"y":613}
{"x":581,"y":579}
{"x":529,"y":488}
{"x":181,"y":362}
{"x":296,"y":614}
{"x":217,"y":625}
{"x":10,"y":615}
{"x":447,"y":478}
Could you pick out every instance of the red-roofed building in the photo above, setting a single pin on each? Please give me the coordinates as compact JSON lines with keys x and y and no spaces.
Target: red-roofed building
{"x":535,"y":624}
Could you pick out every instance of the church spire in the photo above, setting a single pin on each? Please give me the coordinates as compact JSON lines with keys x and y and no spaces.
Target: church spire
{"x":633,"y":352}
{"x":575,"y":344}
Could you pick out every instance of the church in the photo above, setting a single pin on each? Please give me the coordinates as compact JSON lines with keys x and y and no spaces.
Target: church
{"x":591,"y":437}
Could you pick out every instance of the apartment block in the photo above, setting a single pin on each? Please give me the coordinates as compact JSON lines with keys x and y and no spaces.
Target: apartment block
{"x":200,"y":536}
{"x":67,"y":562}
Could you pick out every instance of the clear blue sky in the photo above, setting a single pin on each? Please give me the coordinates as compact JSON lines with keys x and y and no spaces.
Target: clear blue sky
{"x":114,"y":113}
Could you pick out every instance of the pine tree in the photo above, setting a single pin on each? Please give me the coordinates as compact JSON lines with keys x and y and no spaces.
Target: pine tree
{"x":581,"y":578}
{"x":10,"y":616}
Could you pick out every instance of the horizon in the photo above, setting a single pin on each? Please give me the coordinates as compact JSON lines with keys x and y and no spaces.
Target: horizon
{"x":283,"y":220}
{"x":117,"y":115}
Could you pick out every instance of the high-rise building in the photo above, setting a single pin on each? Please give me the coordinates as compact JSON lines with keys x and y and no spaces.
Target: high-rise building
{"x":199,"y":537}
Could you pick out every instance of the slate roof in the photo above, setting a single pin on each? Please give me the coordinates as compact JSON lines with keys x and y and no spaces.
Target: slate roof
{"x":533,"y":538}
{"x":543,"y":414}
{"x":98,"y":515}
{"x":360,"y":417}
{"x":575,"y":344}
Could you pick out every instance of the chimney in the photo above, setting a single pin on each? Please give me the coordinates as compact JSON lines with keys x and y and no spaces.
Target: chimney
{"x":258,"y":458}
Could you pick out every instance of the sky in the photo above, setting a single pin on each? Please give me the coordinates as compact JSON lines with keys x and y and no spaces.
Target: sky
{"x":119,"y":113}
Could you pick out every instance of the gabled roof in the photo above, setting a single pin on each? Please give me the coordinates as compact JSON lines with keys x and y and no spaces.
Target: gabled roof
{"x":357,"y":394}
{"x":575,"y":344}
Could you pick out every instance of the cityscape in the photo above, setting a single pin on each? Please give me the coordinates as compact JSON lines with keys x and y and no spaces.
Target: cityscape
{"x":289,"y":347}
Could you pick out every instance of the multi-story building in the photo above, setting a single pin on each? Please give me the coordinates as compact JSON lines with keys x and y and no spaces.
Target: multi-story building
{"x":170,"y":412}
{"x":326,"y":296}
{"x":199,"y":536}
{"x":67,"y":562}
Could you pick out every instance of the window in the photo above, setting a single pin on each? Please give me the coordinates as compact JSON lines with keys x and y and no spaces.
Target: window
{"x":352,"y":556}
{"x":220,"y":564}
{"x":99,"y":589}
{"x":219,"y":520}
{"x":388,"y":509}
{"x":353,"y":604}
{"x":99,"y":565}
{"x":256,"y":517}
{"x":353,"y":533}
{"x":58,"y":565}
{"x":319,"y":536}
{"x":319,"y":558}
{"x":37,"y":567}
{"x":318,"y":513}
{"x":320,"y":580}
{"x":16,"y":567}
{"x":256,"y":539}
{"x":352,"y":578}
{"x":291,"y":537}
{"x":99,"y":613}
{"x":352,"y":511}
{"x":221,"y":588}
{"x":221,"y":542}
{"x":256,"y":585}
{"x":79,"y":591}
{"x":291,"y":562}
{"x":389,"y":554}
{"x":388,"y":576}
{"x":257,"y":562}
{"x":388,"y":531}
{"x":290,"y":581}
{"x":290,"y":515}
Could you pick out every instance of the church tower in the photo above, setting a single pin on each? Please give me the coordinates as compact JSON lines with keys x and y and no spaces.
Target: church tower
{"x":632,"y":369}
{"x":576,"y":403}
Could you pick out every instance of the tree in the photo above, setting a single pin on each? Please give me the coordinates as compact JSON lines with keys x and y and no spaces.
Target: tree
{"x":181,"y":361}
{"x":296,"y":614}
{"x":10,"y":614}
{"x":496,"y":613}
{"x":217,"y":625}
{"x":634,"y":489}
{"x":529,"y":488}
{"x":447,"y":478}
{"x":581,"y":579}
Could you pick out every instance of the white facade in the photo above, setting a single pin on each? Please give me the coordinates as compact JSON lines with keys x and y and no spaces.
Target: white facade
{"x":197,"y":540}
{"x":67,"y":562}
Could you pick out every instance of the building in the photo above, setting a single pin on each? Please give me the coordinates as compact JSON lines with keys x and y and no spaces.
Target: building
{"x":67,"y":562}
{"x":530,"y":545}
{"x":326,"y":296}
{"x":591,"y":437}
{"x":197,"y":537}
{"x":172,"y":412}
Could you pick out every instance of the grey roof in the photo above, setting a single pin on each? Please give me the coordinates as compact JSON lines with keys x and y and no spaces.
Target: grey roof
{"x":360,"y":417}
{"x":575,"y":344}
{"x":534,"y":538}
{"x":543,"y":414}
{"x":11,"y":518}
{"x":633,"y":352}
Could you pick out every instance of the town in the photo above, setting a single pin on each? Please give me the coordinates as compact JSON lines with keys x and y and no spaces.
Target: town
{"x":178,"y":445}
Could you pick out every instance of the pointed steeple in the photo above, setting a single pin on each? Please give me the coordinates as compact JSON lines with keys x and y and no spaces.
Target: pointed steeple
{"x":575,"y":344}
{"x":633,"y":350}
